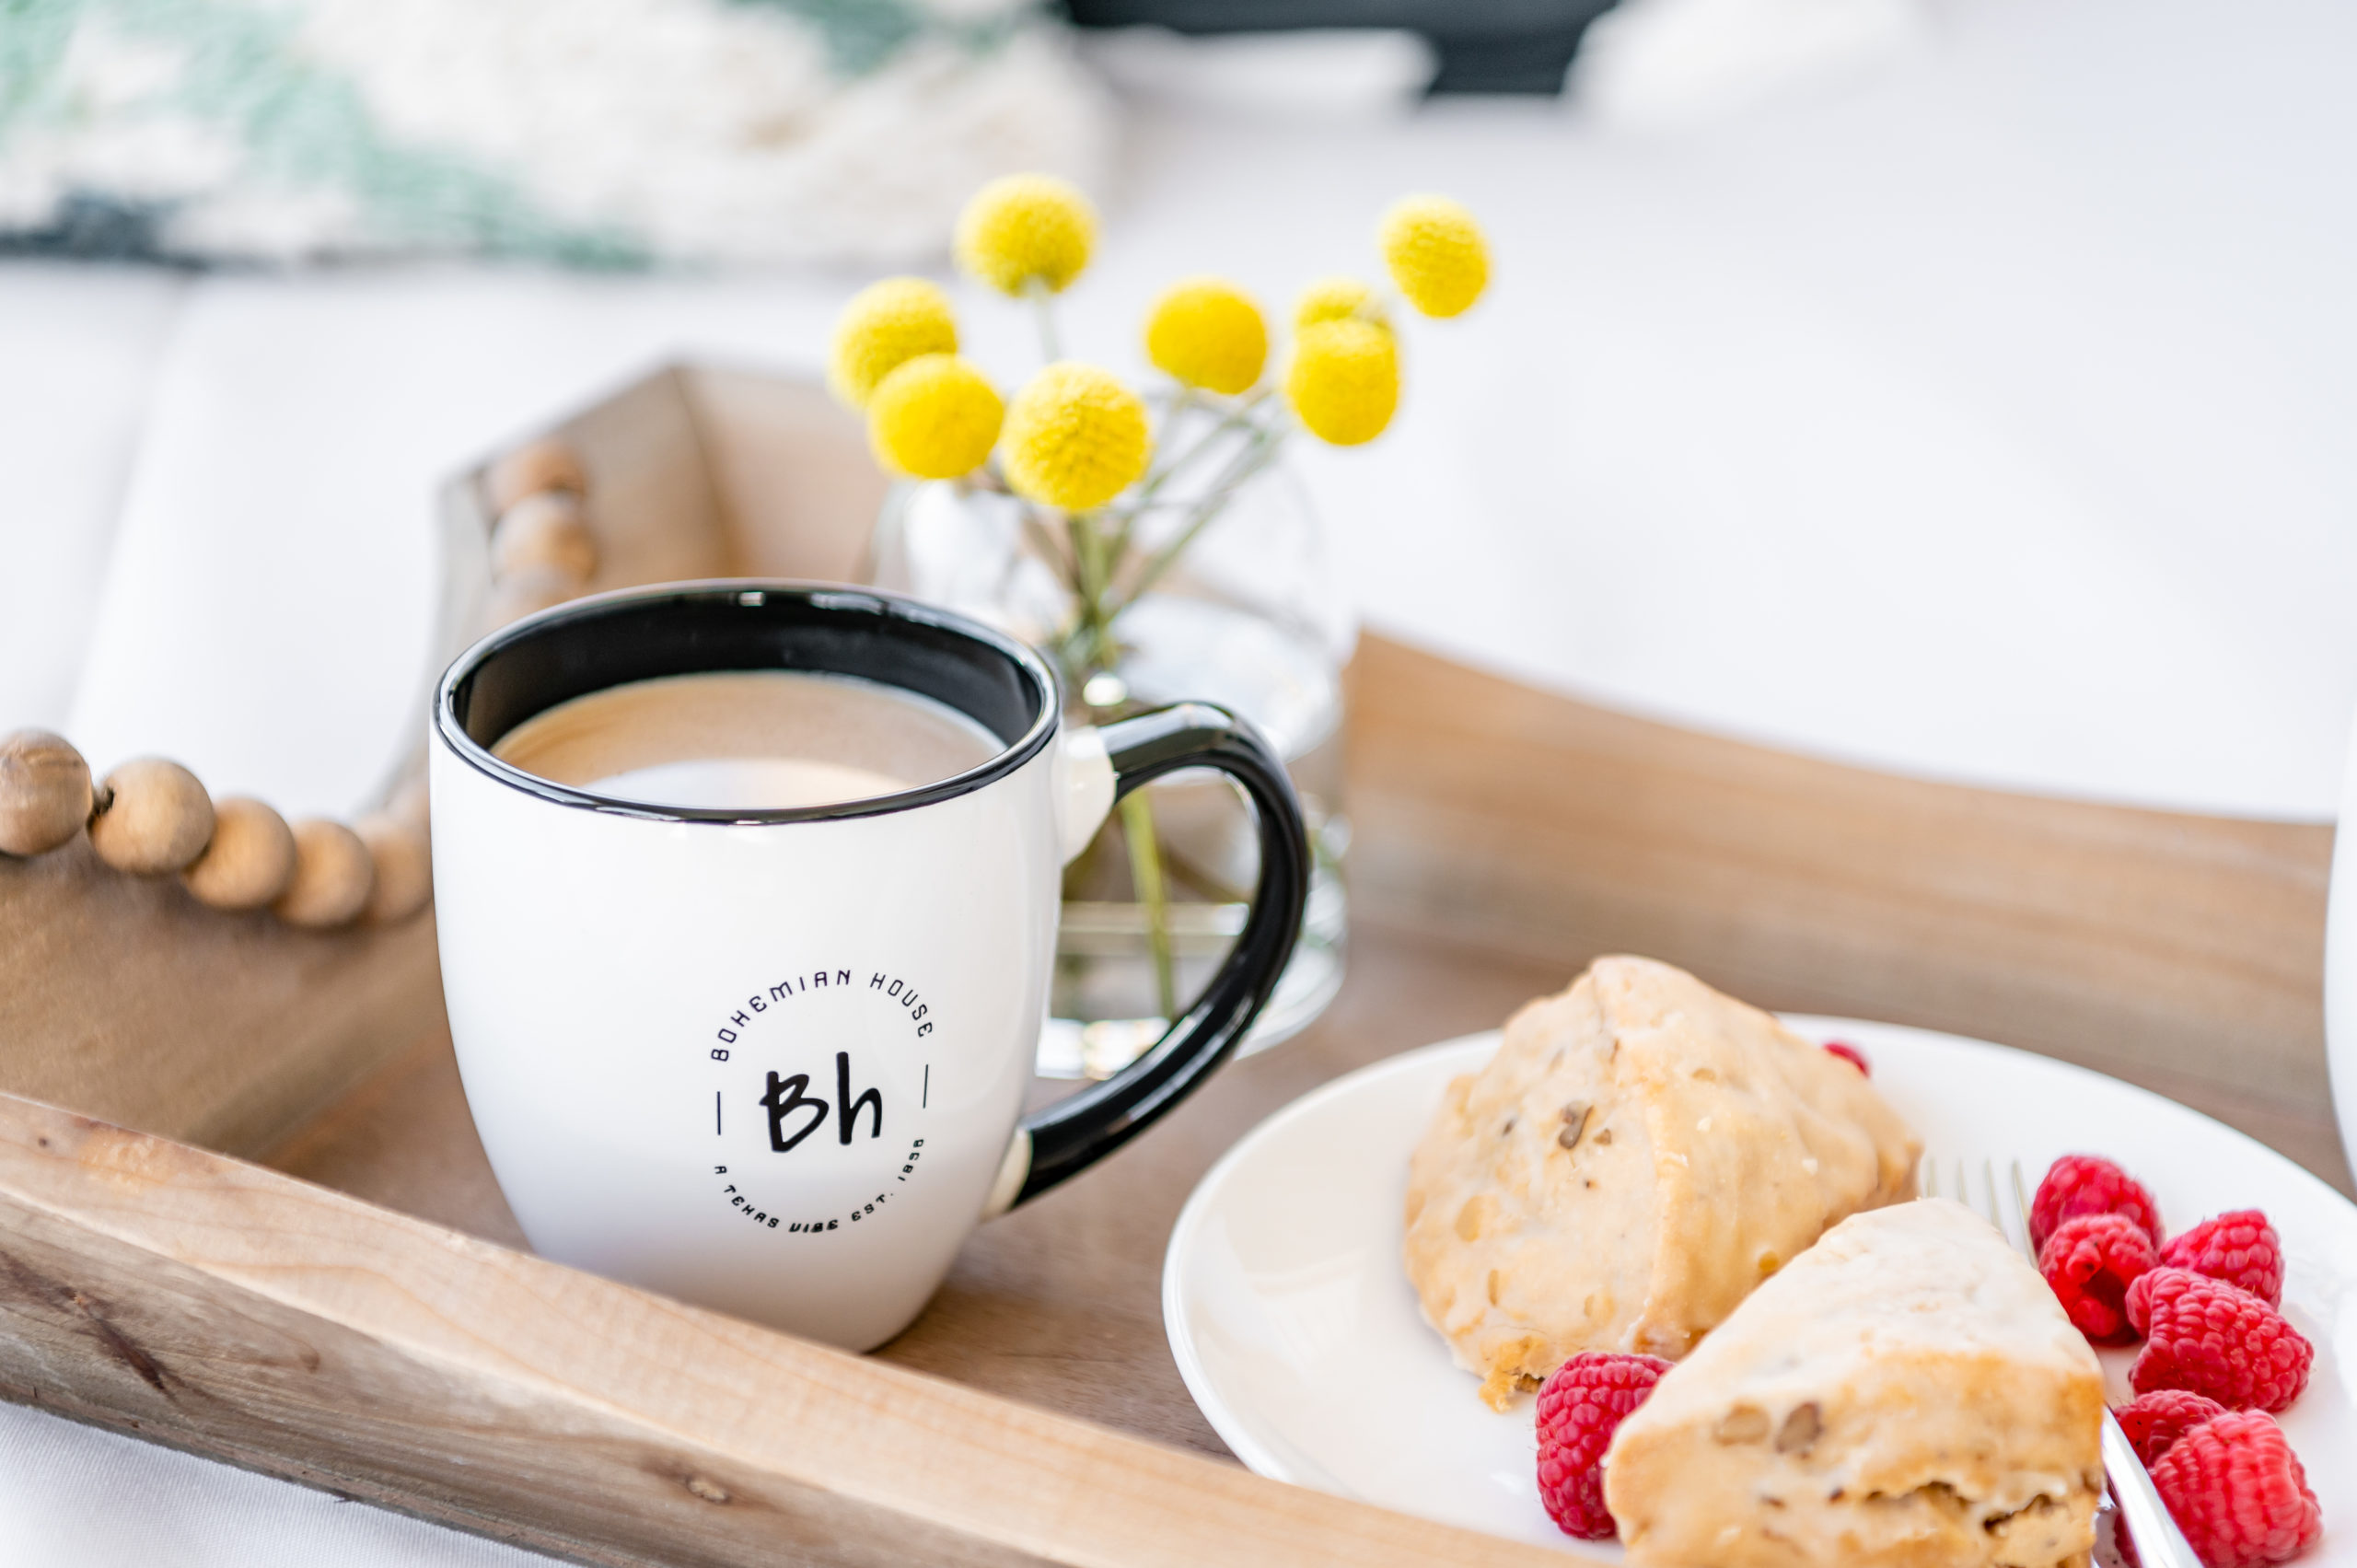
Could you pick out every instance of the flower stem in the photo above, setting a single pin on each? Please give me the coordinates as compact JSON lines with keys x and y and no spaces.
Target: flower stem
{"x":1255,"y":456}
{"x":1240,"y":415}
{"x":1088,"y":573}
{"x":1234,"y":417}
{"x":1045,"y":543}
{"x":1145,"y":871}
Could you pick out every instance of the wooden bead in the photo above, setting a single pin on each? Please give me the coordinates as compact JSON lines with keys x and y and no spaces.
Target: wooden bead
{"x":545,"y":464}
{"x":528,"y":593}
{"x":333,"y":875}
{"x":544,"y":531}
{"x":153,"y":817}
{"x":404,"y":868}
{"x":249,"y":861}
{"x":44,"y":792}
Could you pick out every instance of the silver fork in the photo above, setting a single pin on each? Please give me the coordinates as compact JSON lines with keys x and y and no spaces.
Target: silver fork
{"x":2142,"y":1514}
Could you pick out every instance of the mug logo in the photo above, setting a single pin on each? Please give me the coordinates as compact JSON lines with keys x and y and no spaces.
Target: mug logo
{"x":787,"y":1096}
{"x":806,"y":1067}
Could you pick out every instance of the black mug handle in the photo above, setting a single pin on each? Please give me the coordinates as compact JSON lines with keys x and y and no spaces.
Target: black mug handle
{"x":1075,"y":1133}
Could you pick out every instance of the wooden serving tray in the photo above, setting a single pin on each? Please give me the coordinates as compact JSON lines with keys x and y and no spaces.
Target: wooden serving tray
{"x":353,"y":1310}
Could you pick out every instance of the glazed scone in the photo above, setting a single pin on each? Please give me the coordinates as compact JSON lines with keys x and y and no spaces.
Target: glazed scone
{"x":1907,"y":1392}
{"x":1641,"y":1152}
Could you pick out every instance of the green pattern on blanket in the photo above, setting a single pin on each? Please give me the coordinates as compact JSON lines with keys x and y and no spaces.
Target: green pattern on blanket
{"x":860,"y":34}
{"x":298,"y":124}
{"x":232,"y":79}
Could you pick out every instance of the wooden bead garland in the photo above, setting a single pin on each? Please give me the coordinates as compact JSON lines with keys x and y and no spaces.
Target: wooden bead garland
{"x":153,"y":817}
{"x":544,"y":531}
{"x":333,"y":875}
{"x":44,"y":792}
{"x":542,"y":552}
{"x":545,"y":464}
{"x":249,"y":861}
{"x":404,"y":868}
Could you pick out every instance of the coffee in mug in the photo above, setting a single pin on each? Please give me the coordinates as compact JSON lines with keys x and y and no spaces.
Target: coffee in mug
{"x":747,"y":898}
{"x":748,"y":739}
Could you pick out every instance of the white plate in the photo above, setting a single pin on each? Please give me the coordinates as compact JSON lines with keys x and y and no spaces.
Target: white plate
{"x":1296,"y":1331}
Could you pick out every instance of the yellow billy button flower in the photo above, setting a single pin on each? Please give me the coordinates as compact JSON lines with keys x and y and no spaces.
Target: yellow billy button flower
{"x":886,"y":325}
{"x":1023,"y":227}
{"x":934,"y":417}
{"x":1207,"y":332}
{"x":1345,"y":381}
{"x":1075,"y":437}
{"x":1436,"y":254}
{"x":1333,"y":299}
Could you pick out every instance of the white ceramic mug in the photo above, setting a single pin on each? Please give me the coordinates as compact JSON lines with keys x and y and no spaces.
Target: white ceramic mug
{"x":773,"y":1061}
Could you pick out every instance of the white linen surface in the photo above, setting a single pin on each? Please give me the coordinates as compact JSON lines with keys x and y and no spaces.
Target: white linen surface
{"x":1988,"y":418}
{"x":73,"y":1494}
{"x":78,"y":353}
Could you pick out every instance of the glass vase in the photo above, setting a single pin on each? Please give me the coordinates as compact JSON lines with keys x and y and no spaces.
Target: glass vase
{"x":1247,"y":614}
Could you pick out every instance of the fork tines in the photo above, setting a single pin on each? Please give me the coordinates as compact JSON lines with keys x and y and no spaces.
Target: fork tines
{"x":2013,"y":1226}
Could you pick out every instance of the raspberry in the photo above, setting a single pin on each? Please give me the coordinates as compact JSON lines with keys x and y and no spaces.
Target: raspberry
{"x":2088,"y":1184}
{"x":2239,"y":1247}
{"x":2089,"y":1261}
{"x":2208,"y":1336}
{"x":2155,"y":1421}
{"x":1851,"y":1054}
{"x":2237,"y":1492}
{"x":1580,"y":1406}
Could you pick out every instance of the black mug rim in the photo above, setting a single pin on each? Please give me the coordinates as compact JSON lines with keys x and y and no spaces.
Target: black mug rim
{"x":453,"y":692}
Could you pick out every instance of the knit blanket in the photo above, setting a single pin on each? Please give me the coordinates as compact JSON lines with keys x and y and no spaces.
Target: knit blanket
{"x":610,"y":132}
